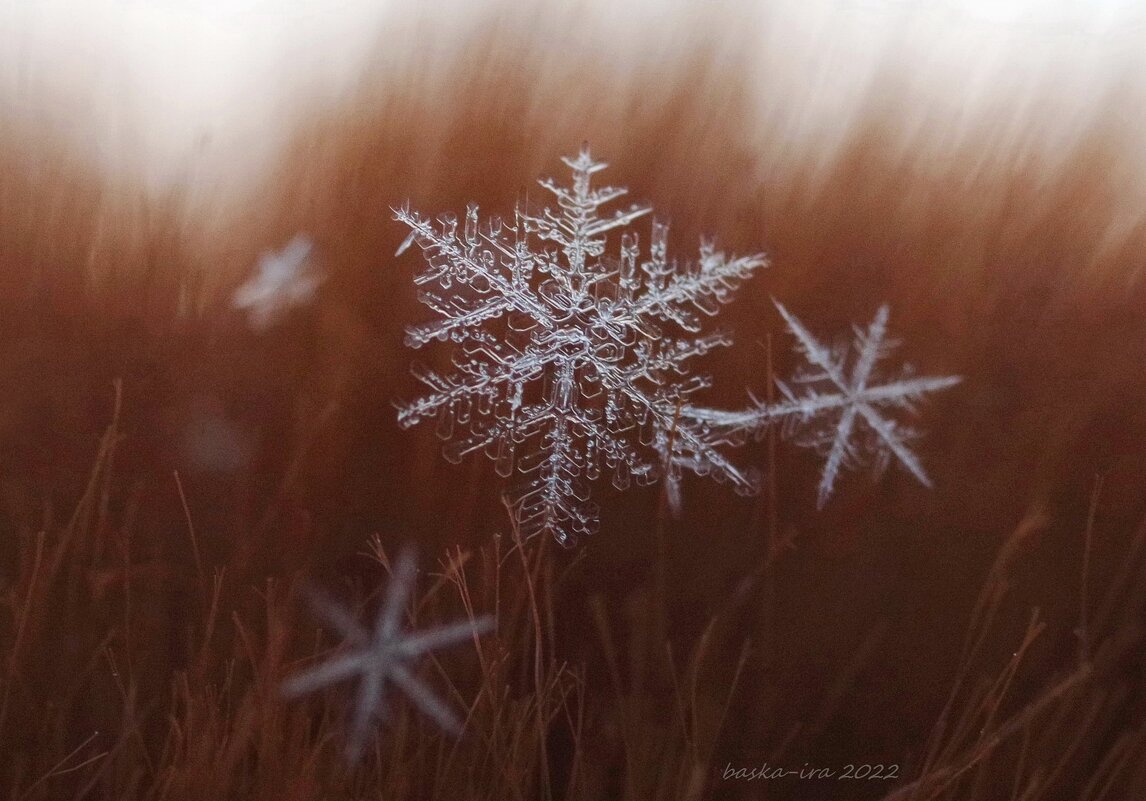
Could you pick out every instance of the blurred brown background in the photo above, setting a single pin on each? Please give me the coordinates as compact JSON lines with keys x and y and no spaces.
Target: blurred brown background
{"x":1011,"y":254}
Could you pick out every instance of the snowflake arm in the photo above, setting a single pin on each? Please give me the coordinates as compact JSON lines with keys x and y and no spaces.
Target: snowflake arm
{"x":482,"y":379}
{"x":577,"y":226}
{"x":464,"y":261}
{"x":703,"y":289}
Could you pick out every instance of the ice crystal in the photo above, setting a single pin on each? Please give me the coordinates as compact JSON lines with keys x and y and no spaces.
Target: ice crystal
{"x":285,"y":279}
{"x":588,"y":367}
{"x":381,"y":655}
{"x":842,"y":412}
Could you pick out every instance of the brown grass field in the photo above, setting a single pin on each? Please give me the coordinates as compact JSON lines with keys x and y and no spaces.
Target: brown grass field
{"x":985,"y":637}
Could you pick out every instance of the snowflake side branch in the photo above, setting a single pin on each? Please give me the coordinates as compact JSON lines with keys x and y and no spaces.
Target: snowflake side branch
{"x":703,"y":458}
{"x":707,"y":290}
{"x":673,"y":355}
{"x":469,"y":268}
{"x":815,"y":353}
{"x":450,"y":389}
{"x":465,"y":318}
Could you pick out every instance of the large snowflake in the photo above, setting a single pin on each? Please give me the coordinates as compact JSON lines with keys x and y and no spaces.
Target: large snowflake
{"x":570,"y":363}
{"x":588,"y":370}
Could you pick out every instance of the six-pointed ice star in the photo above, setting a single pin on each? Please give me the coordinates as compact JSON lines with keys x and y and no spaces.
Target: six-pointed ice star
{"x":855,"y":400}
{"x":285,"y":279}
{"x":569,"y":363}
{"x":383,"y":654}
{"x":842,"y":414}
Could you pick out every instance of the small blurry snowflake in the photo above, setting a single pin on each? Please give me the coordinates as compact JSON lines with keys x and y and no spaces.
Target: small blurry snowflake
{"x":211,"y":441}
{"x":383,"y":654}
{"x":285,"y":279}
{"x":588,"y":368}
{"x":588,"y":371}
{"x":841,"y":413}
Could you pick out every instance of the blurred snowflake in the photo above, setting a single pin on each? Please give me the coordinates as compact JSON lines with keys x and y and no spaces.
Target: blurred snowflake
{"x":381,"y":655}
{"x":587,"y":369}
{"x":285,"y":279}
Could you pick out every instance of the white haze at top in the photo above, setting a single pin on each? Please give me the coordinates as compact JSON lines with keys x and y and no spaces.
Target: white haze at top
{"x":200,"y":95}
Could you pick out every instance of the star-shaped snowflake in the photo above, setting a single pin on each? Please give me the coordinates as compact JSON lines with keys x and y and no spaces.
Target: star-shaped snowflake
{"x":569,"y":363}
{"x":383,"y":655}
{"x":856,"y":430}
{"x":841,"y":411}
{"x":285,"y":280}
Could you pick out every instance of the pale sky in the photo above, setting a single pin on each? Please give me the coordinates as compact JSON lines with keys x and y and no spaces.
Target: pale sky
{"x":171,"y":88}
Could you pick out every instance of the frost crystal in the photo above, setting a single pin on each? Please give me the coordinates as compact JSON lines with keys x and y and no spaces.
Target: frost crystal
{"x":587,"y":369}
{"x":840,"y":412}
{"x":383,"y":654}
